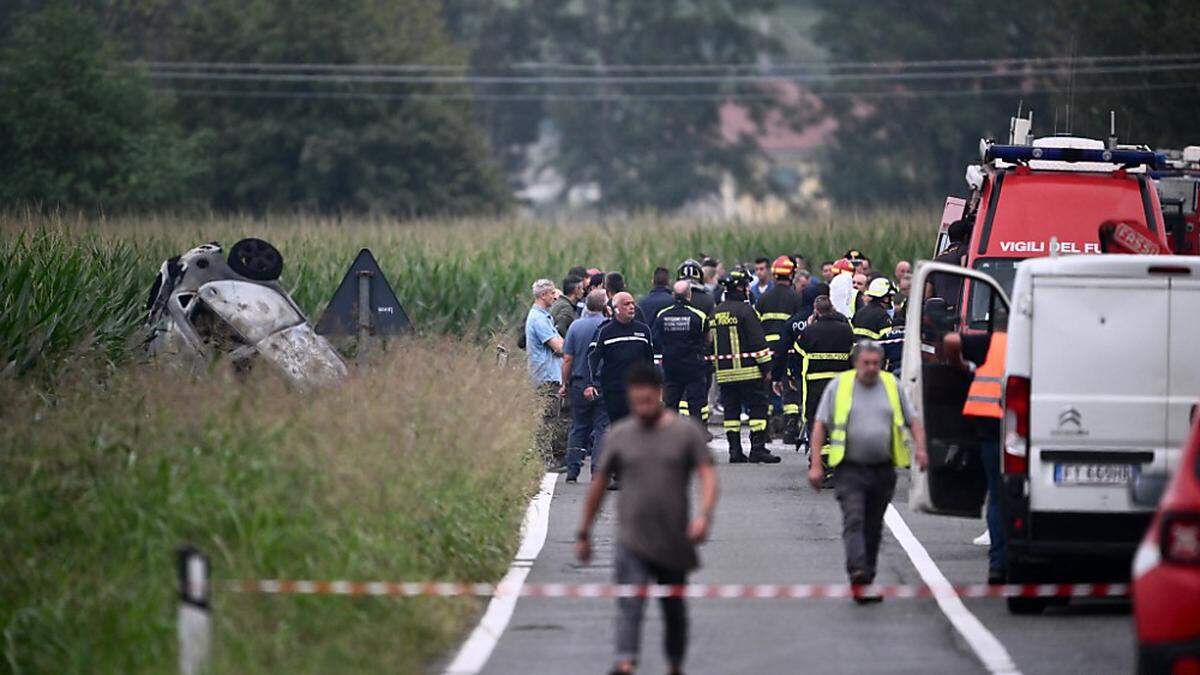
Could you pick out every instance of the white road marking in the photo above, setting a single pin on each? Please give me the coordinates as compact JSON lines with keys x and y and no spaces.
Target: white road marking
{"x":476,"y":651}
{"x":987,"y":647}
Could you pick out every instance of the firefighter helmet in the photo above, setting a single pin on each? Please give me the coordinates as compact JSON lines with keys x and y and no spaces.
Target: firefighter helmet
{"x":784,"y":267}
{"x":737,"y":279}
{"x":879,"y":288}
{"x":690,"y":269}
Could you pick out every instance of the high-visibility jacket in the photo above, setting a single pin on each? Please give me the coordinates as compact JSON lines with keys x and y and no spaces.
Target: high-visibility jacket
{"x":983,"y":398}
{"x":775,"y":307}
{"x":835,"y":449}
{"x":739,"y":346}
{"x":871,"y":322}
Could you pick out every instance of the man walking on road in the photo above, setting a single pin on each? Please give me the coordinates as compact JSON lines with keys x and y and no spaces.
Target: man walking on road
{"x":655,"y":451}
{"x":863,"y":413}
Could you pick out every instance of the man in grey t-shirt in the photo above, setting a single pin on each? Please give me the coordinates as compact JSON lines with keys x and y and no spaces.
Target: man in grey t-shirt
{"x":864,"y":475}
{"x":656,"y":452}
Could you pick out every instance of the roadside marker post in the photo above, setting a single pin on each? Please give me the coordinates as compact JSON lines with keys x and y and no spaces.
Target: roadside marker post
{"x":195,"y":612}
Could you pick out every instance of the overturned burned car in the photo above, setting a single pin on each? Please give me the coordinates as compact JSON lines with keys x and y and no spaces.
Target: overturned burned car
{"x":206,"y":305}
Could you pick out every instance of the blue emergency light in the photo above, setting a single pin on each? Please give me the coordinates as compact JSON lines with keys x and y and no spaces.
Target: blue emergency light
{"x":1022,"y":154}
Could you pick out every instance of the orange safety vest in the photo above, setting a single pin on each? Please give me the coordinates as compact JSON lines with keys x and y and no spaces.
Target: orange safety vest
{"x":983,"y":398}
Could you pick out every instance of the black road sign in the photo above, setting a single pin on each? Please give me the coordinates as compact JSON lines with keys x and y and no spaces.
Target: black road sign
{"x":387,"y":315}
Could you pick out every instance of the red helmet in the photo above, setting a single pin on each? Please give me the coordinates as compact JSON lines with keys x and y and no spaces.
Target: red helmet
{"x":783,"y":267}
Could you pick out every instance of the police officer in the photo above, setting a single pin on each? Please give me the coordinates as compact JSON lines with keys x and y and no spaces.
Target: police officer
{"x":820,"y":352}
{"x":681,"y":339}
{"x":775,"y":308}
{"x":874,"y":320}
{"x":743,"y":368}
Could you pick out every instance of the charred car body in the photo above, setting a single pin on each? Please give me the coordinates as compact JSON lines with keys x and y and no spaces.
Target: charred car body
{"x":204,"y":305}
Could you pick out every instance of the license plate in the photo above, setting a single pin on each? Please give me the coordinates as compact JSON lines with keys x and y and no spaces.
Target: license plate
{"x":1094,"y":474}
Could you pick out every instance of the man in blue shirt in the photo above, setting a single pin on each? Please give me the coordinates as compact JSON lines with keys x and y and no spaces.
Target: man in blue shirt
{"x":589,"y":418}
{"x":545,"y":346}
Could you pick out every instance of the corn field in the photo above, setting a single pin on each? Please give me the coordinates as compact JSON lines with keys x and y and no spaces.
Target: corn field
{"x":72,"y":287}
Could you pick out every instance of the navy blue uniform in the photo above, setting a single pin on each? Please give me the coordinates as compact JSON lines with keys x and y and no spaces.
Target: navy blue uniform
{"x":614,"y":349}
{"x":680,"y":340}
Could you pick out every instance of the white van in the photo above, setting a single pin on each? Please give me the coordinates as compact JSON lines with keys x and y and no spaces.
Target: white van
{"x":1101,"y":382}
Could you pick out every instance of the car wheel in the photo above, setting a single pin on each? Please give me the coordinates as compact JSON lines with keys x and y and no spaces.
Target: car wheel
{"x":256,"y":259}
{"x":1026,"y":606}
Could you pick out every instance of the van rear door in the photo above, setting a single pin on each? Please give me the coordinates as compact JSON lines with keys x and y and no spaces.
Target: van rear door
{"x":1098,"y":379}
{"x":1183,"y":367}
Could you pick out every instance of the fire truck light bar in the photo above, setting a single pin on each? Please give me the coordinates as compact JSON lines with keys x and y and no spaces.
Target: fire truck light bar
{"x":1021,"y":154}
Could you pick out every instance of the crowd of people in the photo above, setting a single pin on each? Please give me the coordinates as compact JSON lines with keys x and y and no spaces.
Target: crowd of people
{"x":807,"y":355}
{"x":758,"y":342}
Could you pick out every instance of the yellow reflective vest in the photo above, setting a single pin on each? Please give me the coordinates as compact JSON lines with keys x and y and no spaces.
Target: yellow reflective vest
{"x":835,"y":448}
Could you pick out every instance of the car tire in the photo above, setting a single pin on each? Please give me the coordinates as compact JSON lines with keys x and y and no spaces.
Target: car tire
{"x":256,"y":259}
{"x":1026,"y":606}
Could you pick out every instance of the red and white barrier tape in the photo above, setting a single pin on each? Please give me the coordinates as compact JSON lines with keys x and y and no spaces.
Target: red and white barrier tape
{"x":718,"y":591}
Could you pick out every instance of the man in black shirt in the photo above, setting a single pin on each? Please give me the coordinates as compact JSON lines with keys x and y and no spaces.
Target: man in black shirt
{"x":659,"y":297}
{"x":619,"y":343}
{"x":946,"y":287}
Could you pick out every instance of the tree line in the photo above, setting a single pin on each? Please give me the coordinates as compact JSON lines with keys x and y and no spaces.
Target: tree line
{"x":96,"y":113}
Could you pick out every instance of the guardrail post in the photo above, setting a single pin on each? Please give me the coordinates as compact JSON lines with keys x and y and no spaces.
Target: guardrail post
{"x":195,"y":619}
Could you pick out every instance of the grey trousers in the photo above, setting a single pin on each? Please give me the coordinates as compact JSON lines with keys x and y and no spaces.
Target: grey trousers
{"x":864,"y":493}
{"x":631,"y":569}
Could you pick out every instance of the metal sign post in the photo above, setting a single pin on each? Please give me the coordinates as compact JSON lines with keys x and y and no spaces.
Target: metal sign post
{"x":195,"y":619}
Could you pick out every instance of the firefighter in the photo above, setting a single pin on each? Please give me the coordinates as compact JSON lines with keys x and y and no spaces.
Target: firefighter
{"x":820,"y":352}
{"x":874,"y":320}
{"x":691,"y":271}
{"x":743,"y":361}
{"x":701,"y":299}
{"x":775,"y":308}
{"x":681,"y":339}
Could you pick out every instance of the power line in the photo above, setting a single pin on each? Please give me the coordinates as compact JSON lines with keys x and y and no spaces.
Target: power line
{"x":899,"y":94}
{"x":768,"y":68}
{"x":662,"y":79}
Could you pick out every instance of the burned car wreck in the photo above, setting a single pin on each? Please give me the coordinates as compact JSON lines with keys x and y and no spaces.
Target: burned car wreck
{"x":206,"y":305}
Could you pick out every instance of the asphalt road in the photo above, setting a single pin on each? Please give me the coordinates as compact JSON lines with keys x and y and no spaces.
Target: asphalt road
{"x":771,"y":527}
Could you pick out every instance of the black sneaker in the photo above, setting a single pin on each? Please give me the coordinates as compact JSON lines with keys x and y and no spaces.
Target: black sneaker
{"x":996,"y":577}
{"x":764,"y":456}
{"x":737,"y":458}
{"x":858,"y":582}
{"x":572,"y":479}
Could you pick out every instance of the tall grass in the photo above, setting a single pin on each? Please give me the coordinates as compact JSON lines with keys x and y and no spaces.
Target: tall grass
{"x":400,"y":473}
{"x":68,"y":285}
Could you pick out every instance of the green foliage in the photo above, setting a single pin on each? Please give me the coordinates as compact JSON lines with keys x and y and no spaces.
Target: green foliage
{"x":276,"y":147}
{"x":80,"y":130}
{"x":396,"y":474}
{"x":896,"y":147}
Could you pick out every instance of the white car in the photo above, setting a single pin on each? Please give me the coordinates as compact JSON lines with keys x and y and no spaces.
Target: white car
{"x":1100,"y":384}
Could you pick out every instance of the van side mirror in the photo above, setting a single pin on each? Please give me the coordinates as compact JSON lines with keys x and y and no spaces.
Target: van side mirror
{"x":1147,"y":488}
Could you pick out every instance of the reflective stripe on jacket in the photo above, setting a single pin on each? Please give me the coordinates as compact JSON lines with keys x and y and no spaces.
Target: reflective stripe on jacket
{"x":983,"y":398}
{"x":835,"y":449}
